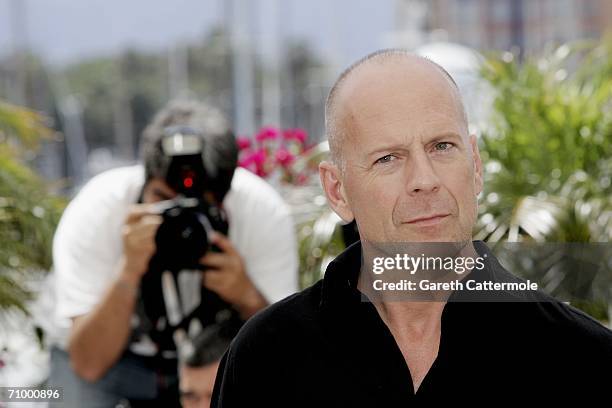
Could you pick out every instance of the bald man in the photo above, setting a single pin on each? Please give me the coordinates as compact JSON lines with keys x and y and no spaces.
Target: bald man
{"x":405,"y":168}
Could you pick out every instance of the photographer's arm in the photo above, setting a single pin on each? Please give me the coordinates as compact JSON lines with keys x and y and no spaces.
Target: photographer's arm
{"x":98,"y":338}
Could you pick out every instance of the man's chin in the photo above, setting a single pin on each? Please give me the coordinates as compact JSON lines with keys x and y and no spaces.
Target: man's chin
{"x":431,"y":234}
{"x":409,"y":233}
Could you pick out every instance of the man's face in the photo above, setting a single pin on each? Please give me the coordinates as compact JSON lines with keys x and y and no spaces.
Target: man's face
{"x":411,"y":171}
{"x":196,"y":385}
{"x":157,"y":190}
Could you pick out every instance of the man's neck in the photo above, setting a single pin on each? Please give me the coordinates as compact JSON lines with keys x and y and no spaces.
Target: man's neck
{"x":417,"y":327}
{"x":418,"y":320}
{"x":413,"y":319}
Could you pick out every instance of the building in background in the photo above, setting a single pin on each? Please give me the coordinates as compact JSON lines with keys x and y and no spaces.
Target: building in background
{"x":527,"y":25}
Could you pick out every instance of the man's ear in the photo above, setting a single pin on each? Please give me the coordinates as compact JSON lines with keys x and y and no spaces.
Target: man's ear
{"x":331,"y":180}
{"x":478,"y":183}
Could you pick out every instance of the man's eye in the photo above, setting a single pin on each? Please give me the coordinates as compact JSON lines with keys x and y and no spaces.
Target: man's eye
{"x":442,"y":146}
{"x":385,"y":159}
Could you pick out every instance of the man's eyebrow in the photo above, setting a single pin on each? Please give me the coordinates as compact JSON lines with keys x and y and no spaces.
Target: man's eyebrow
{"x":402,"y":146}
{"x":445,"y":135}
{"x":389,"y":148}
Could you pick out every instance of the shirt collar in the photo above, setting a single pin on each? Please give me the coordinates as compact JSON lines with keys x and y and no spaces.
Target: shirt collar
{"x":342,"y":274}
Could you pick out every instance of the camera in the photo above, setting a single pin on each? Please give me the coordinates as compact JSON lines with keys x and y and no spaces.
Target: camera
{"x":189,"y":219}
{"x":185,"y":233}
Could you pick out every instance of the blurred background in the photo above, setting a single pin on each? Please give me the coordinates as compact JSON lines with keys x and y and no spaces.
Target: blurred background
{"x":100,"y":69}
{"x":80,"y":80}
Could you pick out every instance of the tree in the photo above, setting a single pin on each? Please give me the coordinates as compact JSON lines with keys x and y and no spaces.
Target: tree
{"x":548,"y":164}
{"x":28,"y":212}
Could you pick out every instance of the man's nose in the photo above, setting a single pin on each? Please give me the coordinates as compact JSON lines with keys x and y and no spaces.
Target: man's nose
{"x":421,"y":176}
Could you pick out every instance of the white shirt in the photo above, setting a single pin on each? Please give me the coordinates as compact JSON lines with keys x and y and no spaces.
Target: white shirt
{"x":87,"y":244}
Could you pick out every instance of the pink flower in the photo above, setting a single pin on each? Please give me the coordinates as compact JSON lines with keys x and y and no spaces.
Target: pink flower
{"x":245,"y":161}
{"x":260,"y":163}
{"x":252,"y":160}
{"x":287,"y":134}
{"x":300,"y":135}
{"x":243,"y":142}
{"x":259,"y":156}
{"x":284,"y":157}
{"x":267,"y":154}
{"x":267,"y":133}
{"x":295,"y":134}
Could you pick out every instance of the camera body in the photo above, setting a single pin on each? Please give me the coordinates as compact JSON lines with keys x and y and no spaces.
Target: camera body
{"x":185,"y":233}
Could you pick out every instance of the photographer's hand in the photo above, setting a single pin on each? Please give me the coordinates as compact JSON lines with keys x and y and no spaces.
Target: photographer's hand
{"x":139,"y":240}
{"x":98,"y":338}
{"x":226,"y":276}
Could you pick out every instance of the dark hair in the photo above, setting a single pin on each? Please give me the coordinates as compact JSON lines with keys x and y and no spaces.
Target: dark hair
{"x":220,"y":151}
{"x":210,"y":344}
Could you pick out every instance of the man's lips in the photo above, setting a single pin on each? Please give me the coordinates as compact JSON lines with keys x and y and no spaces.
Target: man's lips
{"x":428,"y":220}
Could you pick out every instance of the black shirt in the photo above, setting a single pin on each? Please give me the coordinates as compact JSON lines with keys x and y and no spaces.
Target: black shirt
{"x":325,"y":347}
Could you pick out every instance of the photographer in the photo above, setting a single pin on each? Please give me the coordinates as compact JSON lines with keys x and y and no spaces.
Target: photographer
{"x":128,"y":291}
